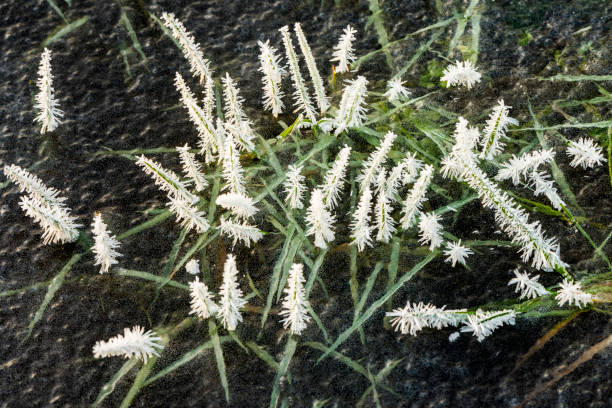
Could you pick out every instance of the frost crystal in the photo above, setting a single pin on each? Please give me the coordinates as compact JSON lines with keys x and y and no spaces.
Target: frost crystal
{"x":572,"y":293}
{"x":482,"y":324}
{"x":520,"y":166}
{"x":529,"y":287}
{"x":320,"y":221}
{"x":430,"y":230}
{"x":344,"y":52}
{"x":236,"y":120}
{"x":34,"y":186}
{"x":335,"y":177}
{"x":192,"y":168}
{"x":193,"y":267}
{"x":542,"y":184}
{"x":105,"y":245}
{"x":352,"y":110}
{"x":295,"y":305}
{"x":384,"y":222}
{"x":239,"y":204}
{"x":495,"y":131}
{"x":360,"y":225}
{"x":240,"y":231}
{"x":396,"y":90}
{"x":167,"y":180}
{"x":49,"y":113}
{"x":461,"y":73}
{"x":461,"y":164}
{"x":294,"y":187}
{"x":584,"y":153}
{"x":414,"y":317}
{"x":188,"y":216}
{"x":273,"y":72}
{"x":317,"y":82}
{"x":455,"y":252}
{"x":232,"y":299}
{"x":133,"y":343}
{"x":375,"y":160}
{"x":207,"y":142}
{"x":232,"y":169}
{"x":57,"y":224}
{"x":301,"y":97}
{"x":414,"y":201}
{"x":200,"y":67}
{"x":202,"y":304}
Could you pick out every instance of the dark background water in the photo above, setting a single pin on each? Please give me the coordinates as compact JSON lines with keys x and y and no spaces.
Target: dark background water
{"x":107,"y":108}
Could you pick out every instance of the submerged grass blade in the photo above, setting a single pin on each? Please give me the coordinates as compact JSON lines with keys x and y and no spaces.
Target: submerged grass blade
{"x":109,"y":387}
{"x":185,"y":358}
{"x":276,"y":271}
{"x":378,"y":303}
{"x":150,"y":277}
{"x":138,"y":383}
{"x":290,"y":348}
{"x":575,"y":78}
{"x":214,"y":336}
{"x":64,"y":30}
{"x":56,"y":283}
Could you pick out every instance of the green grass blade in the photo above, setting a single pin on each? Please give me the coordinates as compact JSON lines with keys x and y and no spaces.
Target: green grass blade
{"x":295,"y":246}
{"x":379,"y":26}
{"x":377,"y":304}
{"x":475,"y":44}
{"x":369,"y":285}
{"x":109,"y":387}
{"x":600,"y":124}
{"x":56,"y":283}
{"x":35,"y":286}
{"x":263,"y":355}
{"x":575,"y":78}
{"x":290,"y":347}
{"x":461,"y":24}
{"x":355,"y":366}
{"x":135,"y":43}
{"x":64,"y":30}
{"x":202,"y":242}
{"x":214,"y":336}
{"x":275,"y":277}
{"x":158,"y":219}
{"x":314,"y":271}
{"x":142,"y":375}
{"x":392,"y":267}
{"x":150,"y":277}
{"x":185,"y":358}
{"x":57,"y":10}
{"x":556,"y":172}
{"x":318,"y":322}
{"x":424,"y":47}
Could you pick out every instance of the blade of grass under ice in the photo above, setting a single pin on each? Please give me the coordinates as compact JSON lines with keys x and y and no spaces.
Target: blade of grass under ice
{"x":214,"y":337}
{"x":55,"y":7}
{"x":575,"y":78}
{"x":290,"y":347}
{"x":56,"y":283}
{"x":378,"y":303}
{"x":158,"y":219}
{"x":556,"y":172}
{"x":263,"y":355}
{"x":185,"y":358}
{"x":318,"y":322}
{"x":64,"y":30}
{"x":392,"y":267}
{"x":150,"y":277}
{"x":368,"y":288}
{"x":109,"y":387}
{"x":132,"y":34}
{"x":276,"y":271}
{"x":138,"y":383}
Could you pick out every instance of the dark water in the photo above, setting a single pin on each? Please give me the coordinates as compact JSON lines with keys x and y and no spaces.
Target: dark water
{"x":107,"y":108}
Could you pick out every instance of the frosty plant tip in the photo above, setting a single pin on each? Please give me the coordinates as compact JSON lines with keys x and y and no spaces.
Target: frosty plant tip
{"x":49,"y":113}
